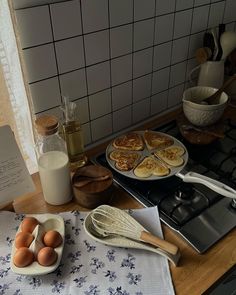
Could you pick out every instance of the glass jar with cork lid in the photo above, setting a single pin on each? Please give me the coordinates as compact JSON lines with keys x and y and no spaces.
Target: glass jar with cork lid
{"x":53,"y":161}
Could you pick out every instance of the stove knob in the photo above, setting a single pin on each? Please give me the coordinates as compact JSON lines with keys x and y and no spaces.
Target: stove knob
{"x":185,"y":191}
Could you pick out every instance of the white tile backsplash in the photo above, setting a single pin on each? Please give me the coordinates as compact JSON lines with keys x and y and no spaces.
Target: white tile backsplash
{"x":164,"y":28}
{"x":70,"y":54}
{"x":100,"y":104}
{"x":143,"y":34}
{"x":121,"y":69}
{"x":126,"y":115}
{"x":121,"y":95}
{"x":96,"y":47}
{"x":159,"y":102}
{"x":73,"y":84}
{"x":143,"y":11}
{"x":162,"y":55}
{"x":38,"y":19}
{"x":121,"y":39}
{"x":121,"y":61}
{"x":160,"y":80}
{"x":40,"y":62}
{"x":182,"y":25}
{"x":45,"y":94}
{"x":142,"y":62}
{"x":66,"y":19}
{"x":142,"y":87}
{"x":95,"y":15}
{"x":98,"y":77}
{"x":121,"y":12}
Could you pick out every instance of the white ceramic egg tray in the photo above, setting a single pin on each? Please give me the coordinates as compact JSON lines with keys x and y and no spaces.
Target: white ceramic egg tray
{"x":47,"y":222}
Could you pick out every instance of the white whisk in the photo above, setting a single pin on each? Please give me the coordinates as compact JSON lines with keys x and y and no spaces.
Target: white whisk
{"x":109,"y":220}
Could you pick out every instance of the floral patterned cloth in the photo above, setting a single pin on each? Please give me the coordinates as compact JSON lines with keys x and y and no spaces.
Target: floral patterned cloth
{"x":88,"y":267}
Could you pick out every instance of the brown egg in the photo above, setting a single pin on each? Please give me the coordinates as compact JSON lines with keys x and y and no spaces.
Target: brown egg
{"x":23,"y":239}
{"x":28,"y":224}
{"x":23,"y":257}
{"x":52,"y":238}
{"x":47,"y":256}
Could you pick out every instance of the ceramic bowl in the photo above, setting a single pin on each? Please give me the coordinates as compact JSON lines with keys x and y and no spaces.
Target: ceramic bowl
{"x":197,"y":111}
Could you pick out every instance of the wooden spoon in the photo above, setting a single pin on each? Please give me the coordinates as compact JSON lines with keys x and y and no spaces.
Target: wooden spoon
{"x":213,"y":99}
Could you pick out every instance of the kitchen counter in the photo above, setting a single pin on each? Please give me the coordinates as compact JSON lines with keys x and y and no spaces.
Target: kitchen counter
{"x":196,"y":272}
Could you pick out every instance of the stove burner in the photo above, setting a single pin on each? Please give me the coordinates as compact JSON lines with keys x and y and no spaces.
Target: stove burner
{"x":184,"y":192}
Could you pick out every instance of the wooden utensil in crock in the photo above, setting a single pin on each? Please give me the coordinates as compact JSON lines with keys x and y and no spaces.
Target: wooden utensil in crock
{"x":92,"y":186}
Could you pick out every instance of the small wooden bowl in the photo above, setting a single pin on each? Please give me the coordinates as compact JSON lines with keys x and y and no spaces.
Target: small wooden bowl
{"x":95,"y":192}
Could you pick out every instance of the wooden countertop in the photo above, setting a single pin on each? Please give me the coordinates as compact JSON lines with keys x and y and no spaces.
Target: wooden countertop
{"x":195,"y":273}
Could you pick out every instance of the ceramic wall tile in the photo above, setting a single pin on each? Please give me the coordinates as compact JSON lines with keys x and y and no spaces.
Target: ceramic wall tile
{"x":96,"y":47}
{"x":142,"y":87}
{"x":114,"y":58}
{"x":200,"y":18}
{"x":66,"y":19}
{"x":216,"y":14}
{"x":54,"y":111}
{"x":143,"y":11}
{"x":121,"y":12}
{"x":230,"y":8}
{"x":177,"y":73}
{"x":73,"y":84}
{"x":121,"y":39}
{"x":40,"y":62}
{"x":95,"y":15}
{"x":159,"y":102}
{"x":126,"y":115}
{"x":141,"y":110}
{"x":83,"y":109}
{"x":98,"y":77}
{"x":143,"y":34}
{"x":180,"y":50}
{"x":121,"y":69}
{"x":184,"y":4}
{"x":101,"y":127}
{"x":182,"y":26}
{"x":70,"y":54}
{"x":160,"y":80}
{"x":34,"y":26}
{"x":142,"y":63}
{"x":164,"y":7}
{"x":162,"y":55}
{"x":164,"y":28}
{"x":100,"y":104}
{"x":175,"y":95}
{"x":121,"y":95}
{"x":45,"y":94}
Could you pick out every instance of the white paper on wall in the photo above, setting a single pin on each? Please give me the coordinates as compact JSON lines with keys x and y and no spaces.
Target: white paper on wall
{"x":15,"y":179}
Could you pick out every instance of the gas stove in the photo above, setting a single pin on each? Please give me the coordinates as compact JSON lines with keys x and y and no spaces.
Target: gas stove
{"x":198,"y":214}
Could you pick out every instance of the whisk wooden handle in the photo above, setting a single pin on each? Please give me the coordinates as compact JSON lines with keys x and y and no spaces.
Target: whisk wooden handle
{"x":162,"y":244}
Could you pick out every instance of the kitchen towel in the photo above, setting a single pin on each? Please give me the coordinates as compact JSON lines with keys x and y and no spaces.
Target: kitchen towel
{"x":89,"y":267}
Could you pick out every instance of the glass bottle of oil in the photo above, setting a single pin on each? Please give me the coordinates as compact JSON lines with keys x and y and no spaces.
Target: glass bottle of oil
{"x":73,"y":135}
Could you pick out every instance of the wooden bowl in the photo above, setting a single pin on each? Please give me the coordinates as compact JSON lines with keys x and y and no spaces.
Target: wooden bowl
{"x":92,"y":186}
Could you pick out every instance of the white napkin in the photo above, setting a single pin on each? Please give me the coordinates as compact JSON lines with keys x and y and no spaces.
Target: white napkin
{"x":88,"y":267}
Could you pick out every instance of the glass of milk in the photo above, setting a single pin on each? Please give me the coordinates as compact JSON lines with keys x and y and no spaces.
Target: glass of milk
{"x":53,"y":161}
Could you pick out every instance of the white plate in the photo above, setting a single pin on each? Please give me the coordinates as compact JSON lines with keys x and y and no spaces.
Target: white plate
{"x":49,"y":222}
{"x":145,"y":153}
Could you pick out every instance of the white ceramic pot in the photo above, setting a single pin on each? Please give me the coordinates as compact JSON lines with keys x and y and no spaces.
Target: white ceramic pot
{"x":199,"y":113}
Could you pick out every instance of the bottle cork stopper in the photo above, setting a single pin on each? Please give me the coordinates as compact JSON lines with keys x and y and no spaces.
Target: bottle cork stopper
{"x":47,"y":124}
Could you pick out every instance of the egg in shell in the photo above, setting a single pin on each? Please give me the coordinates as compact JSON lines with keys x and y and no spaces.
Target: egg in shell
{"x":46,"y":256}
{"x":23,"y":257}
{"x":52,"y":238}
{"x":23,"y":239}
{"x":28,"y":224}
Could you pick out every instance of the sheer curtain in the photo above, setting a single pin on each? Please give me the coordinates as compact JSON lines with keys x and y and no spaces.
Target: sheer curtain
{"x":14,"y":106}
